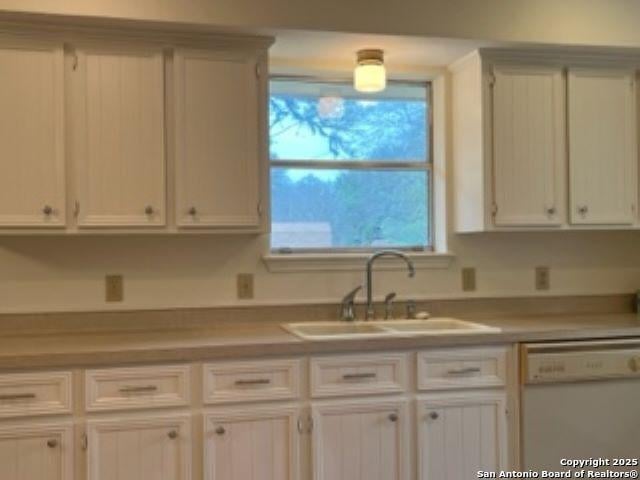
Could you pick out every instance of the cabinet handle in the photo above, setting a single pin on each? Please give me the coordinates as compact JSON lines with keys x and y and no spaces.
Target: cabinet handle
{"x":18,"y":396}
{"x":393,"y":417}
{"x":47,"y":210}
{"x":173,"y":434}
{"x":53,"y":443}
{"x":192,"y":211}
{"x":149,"y":210}
{"x":583,"y":210}
{"x":551,"y":210}
{"x":138,"y":389}
{"x":220,"y":430}
{"x":359,"y":376}
{"x":464,"y":371}
{"x":434,"y":415}
{"x":253,"y":381}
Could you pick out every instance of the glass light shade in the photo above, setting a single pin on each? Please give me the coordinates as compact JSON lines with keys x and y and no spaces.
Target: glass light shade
{"x":370,"y":77}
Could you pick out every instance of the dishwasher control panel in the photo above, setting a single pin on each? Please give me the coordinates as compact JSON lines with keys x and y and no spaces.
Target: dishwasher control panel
{"x":543,"y":363}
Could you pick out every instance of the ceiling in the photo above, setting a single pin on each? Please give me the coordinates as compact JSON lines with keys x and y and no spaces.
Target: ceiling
{"x":339,"y":49}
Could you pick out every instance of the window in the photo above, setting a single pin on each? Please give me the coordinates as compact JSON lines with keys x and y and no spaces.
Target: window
{"x":349,"y":171}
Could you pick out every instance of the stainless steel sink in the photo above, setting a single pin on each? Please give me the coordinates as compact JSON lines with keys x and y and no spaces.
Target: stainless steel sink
{"x":385,"y":328}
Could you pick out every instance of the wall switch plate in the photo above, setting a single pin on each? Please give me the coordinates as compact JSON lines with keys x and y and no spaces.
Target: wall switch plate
{"x":543,"y":280}
{"x":114,"y":288}
{"x":468,"y":279}
{"x":245,"y":286}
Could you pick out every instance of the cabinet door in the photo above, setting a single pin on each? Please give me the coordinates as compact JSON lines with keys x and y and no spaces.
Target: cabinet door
{"x":257,"y":443}
{"x":528,"y":146}
{"x":461,"y":434}
{"x":32,"y":186}
{"x":363,"y":440}
{"x":36,"y":452}
{"x":602,"y":146}
{"x":217,"y":145}
{"x":141,"y":448}
{"x":119,"y":131}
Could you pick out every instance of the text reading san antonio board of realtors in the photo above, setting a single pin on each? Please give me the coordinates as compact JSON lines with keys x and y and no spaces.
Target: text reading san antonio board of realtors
{"x":577,"y":468}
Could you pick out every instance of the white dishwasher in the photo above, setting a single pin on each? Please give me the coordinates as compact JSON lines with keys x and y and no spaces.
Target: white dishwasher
{"x":580,"y":400}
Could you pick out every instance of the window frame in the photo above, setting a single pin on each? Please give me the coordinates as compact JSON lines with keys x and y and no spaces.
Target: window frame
{"x":363,"y":165}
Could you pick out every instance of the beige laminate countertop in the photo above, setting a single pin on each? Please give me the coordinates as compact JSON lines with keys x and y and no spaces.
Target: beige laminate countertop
{"x":267,"y":338}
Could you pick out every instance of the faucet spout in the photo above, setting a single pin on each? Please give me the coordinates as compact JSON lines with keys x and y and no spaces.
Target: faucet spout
{"x":370,"y":312}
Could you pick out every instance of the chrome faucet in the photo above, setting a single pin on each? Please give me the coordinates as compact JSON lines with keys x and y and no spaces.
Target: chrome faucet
{"x":370,"y":312}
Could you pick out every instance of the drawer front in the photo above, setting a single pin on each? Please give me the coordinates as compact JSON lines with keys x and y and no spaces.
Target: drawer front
{"x":249,"y":381}
{"x":362,"y":374}
{"x":44,"y":393}
{"x":137,"y":387}
{"x":461,"y":368}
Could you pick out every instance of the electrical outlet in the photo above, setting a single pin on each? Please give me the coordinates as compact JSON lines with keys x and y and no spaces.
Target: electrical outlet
{"x":543,"y":280}
{"x":468,"y":279}
{"x":114,"y":288}
{"x":245,"y":285}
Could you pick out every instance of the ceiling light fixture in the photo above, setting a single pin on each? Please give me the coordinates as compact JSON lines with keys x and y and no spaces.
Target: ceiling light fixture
{"x":370,"y":75}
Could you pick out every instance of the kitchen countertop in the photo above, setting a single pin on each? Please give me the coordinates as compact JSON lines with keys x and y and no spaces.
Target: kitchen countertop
{"x":267,"y":338}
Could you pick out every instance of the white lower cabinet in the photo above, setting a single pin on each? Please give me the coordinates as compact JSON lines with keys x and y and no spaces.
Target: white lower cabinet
{"x":252,"y":443}
{"x":363,"y":439}
{"x":461,"y":433}
{"x":139,"y":448}
{"x":36,"y":452}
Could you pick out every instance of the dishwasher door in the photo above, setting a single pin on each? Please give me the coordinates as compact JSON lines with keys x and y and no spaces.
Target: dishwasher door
{"x":579,"y":400}
{"x":579,"y":420}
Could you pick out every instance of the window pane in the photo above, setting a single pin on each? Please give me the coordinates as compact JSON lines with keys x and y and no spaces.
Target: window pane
{"x":331,"y":121}
{"x":349,"y":208}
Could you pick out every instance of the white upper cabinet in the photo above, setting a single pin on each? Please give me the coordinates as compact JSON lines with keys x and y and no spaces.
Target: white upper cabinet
{"x":528,"y":146}
{"x":32,"y":173}
{"x":603,"y":153}
{"x":119,"y":138}
{"x":218,"y":122}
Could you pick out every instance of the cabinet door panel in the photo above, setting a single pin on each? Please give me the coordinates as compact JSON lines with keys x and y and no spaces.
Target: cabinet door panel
{"x":260,"y":443}
{"x":602,"y":146}
{"x":217,"y":139}
{"x":528,"y":146}
{"x":120,"y":166}
{"x":36,"y":452}
{"x":139,"y":449}
{"x":360,"y":441}
{"x":32,"y":135}
{"x":459,"y":435}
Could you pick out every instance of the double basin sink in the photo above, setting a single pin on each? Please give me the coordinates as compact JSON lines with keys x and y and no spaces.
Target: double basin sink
{"x":386,"y":328}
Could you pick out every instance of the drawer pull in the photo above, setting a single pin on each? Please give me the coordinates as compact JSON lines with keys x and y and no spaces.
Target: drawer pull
{"x":18,"y":396}
{"x":253,"y":381}
{"x":464,"y":371}
{"x":359,"y":376}
{"x":138,"y":389}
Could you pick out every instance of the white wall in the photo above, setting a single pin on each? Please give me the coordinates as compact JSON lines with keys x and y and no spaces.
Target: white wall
{"x":39,"y":273}
{"x":596,"y":22}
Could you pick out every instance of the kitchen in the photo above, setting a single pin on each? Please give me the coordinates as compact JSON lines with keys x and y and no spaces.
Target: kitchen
{"x":191,"y":195}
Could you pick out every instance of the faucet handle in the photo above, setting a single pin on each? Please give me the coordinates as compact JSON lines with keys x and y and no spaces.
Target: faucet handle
{"x":347,"y":311}
{"x":388,"y":305}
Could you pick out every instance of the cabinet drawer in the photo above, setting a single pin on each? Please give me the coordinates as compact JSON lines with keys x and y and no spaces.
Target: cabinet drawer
{"x":361,"y":374}
{"x":249,"y":381}
{"x":138,"y":387}
{"x":461,"y":368}
{"x":43,"y":393}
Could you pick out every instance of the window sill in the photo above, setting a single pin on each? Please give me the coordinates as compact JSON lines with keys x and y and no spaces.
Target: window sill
{"x":336,"y":262}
